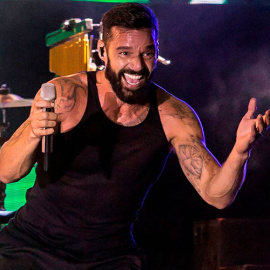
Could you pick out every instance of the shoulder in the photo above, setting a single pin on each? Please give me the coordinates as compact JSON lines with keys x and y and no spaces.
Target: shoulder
{"x":68,"y":89}
{"x":178,"y":118}
{"x":172,"y":106}
{"x":71,"y":99}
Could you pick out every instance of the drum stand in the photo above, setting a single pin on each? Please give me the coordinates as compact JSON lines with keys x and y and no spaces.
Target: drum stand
{"x":3,"y":129}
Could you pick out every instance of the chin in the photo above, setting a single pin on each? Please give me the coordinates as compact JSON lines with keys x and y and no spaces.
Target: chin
{"x":138,"y":96}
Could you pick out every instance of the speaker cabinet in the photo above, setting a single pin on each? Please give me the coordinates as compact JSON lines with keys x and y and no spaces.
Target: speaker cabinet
{"x":249,"y":267}
{"x":223,"y":243}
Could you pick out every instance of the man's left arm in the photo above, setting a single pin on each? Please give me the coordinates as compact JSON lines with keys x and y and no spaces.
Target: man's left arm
{"x":217,"y":185}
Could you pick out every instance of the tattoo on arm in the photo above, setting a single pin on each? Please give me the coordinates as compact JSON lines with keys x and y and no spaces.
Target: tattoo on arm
{"x":182,"y":111}
{"x":69,"y":88}
{"x":191,"y":160}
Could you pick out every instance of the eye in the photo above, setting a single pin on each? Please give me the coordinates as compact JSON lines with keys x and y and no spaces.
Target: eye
{"x":149,"y":54}
{"x":123,"y":53}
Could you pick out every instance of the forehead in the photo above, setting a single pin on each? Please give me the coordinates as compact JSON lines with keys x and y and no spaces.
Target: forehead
{"x":131,"y":37}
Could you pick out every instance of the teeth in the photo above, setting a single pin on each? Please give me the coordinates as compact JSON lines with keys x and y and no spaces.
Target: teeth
{"x":133,"y":77}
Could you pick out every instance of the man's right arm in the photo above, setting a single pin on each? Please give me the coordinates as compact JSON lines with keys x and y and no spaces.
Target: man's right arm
{"x":19,"y":154}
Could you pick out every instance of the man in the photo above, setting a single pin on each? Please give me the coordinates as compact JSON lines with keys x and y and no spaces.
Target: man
{"x":113,"y":131}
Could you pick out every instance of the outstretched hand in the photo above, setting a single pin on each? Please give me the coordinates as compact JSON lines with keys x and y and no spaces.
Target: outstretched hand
{"x":251,"y":129}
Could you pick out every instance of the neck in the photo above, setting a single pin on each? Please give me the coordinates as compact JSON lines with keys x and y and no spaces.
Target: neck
{"x":117,"y":110}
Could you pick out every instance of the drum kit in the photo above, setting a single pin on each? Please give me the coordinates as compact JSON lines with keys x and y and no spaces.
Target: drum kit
{"x":8,"y":100}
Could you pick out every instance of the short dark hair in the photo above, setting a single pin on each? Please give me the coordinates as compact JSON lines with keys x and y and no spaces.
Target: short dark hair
{"x":130,"y":16}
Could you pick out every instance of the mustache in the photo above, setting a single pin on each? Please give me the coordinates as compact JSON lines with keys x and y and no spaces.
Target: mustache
{"x":143,"y":72}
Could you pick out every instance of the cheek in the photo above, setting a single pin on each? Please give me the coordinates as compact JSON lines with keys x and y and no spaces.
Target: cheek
{"x":118,"y":65}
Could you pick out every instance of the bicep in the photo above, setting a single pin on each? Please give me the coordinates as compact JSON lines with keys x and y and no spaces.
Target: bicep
{"x":185,"y":133}
{"x":197,"y":162}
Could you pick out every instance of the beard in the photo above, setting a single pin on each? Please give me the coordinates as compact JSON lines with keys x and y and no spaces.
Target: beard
{"x":138,"y":96}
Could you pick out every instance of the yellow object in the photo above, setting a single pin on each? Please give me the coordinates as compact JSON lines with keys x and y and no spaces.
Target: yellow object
{"x":71,"y":56}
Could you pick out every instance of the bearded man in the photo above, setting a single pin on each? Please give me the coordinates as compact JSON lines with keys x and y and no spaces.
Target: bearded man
{"x":113,"y":131}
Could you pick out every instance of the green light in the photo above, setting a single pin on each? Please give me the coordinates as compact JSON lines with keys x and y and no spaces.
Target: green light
{"x":114,"y":1}
{"x":15,"y":192}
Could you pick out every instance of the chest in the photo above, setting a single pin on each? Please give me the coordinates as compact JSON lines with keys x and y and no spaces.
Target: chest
{"x":120,"y":112}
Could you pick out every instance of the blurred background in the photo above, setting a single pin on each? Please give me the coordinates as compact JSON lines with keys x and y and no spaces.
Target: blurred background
{"x":220,"y":58}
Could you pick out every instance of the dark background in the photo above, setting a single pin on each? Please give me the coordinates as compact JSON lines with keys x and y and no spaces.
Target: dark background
{"x":220,"y":59}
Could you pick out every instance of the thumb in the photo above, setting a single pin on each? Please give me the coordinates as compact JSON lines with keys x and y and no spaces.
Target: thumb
{"x":252,"y":107}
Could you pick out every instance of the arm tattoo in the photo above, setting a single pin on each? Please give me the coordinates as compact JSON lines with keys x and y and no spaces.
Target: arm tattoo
{"x":182,"y":111}
{"x":191,"y":160}
{"x":69,"y":89}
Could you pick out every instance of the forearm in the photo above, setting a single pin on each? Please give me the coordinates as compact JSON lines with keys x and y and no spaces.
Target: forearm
{"x":224,"y":185}
{"x":18,"y":155}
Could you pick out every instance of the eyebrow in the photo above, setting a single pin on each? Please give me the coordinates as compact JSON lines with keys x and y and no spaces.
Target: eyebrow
{"x":123,"y":48}
{"x":152,"y":46}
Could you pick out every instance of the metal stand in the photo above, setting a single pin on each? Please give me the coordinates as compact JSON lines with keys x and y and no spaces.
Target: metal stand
{"x":3,"y":129}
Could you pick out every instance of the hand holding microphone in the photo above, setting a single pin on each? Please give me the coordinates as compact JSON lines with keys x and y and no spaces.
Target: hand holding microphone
{"x":47,"y":93}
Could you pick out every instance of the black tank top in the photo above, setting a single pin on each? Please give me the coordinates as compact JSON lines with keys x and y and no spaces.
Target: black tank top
{"x":101,"y":173}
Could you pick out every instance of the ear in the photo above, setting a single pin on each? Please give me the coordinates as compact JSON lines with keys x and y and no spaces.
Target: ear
{"x":102,"y":51}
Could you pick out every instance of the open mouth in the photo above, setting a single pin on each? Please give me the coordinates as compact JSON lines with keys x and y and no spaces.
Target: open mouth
{"x":132,"y":79}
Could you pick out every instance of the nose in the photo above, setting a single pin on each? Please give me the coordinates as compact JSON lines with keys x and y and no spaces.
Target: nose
{"x":137,"y":63}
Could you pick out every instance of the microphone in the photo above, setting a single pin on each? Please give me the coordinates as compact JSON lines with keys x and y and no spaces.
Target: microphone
{"x":47,"y":93}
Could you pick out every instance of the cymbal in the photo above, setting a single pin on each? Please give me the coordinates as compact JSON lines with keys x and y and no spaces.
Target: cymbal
{"x":17,"y":103}
{"x":14,"y":101}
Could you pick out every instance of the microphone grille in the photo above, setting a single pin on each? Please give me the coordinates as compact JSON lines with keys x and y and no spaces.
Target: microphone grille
{"x":48,"y":91}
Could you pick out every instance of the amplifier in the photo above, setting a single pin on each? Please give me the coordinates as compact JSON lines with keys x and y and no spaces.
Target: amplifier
{"x":226,"y":242}
{"x":248,"y":267}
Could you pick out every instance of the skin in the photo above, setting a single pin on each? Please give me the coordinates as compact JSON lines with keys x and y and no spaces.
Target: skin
{"x":134,"y":49}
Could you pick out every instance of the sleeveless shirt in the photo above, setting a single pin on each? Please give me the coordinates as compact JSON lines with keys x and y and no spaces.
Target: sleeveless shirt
{"x":100,"y":174}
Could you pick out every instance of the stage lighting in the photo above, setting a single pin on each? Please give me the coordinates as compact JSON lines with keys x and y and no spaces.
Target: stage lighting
{"x":220,"y":2}
{"x":114,"y":1}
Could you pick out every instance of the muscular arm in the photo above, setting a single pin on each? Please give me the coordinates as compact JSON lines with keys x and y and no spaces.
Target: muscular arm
{"x":20,"y":152}
{"x":217,"y":185}
{"x":18,"y":155}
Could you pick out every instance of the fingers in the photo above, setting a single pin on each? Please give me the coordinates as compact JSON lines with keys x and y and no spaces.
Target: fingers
{"x":266,"y":118}
{"x":263,"y":122}
{"x":252,"y":107}
{"x":42,"y":122}
{"x":41,"y":104}
{"x":259,"y":124}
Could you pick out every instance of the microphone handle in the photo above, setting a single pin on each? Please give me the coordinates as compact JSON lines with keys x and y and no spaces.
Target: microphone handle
{"x":47,"y":145}
{"x":47,"y":154}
